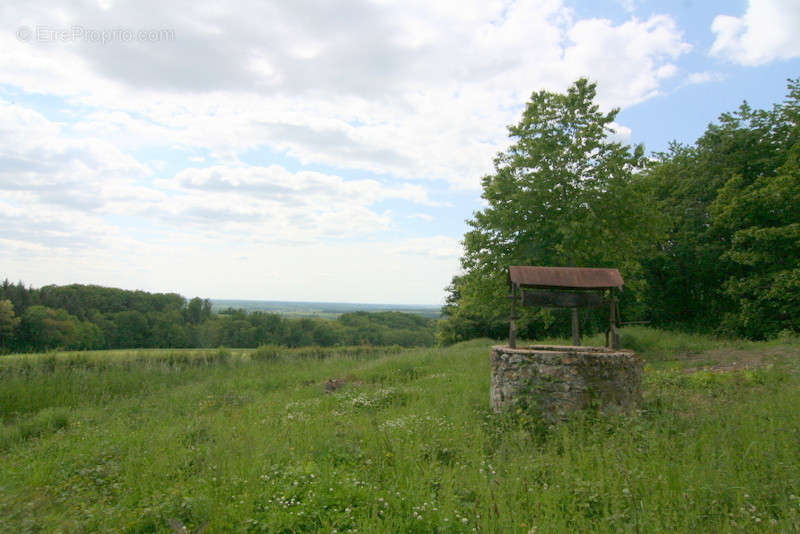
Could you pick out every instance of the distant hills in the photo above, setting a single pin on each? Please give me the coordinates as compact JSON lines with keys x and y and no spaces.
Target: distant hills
{"x":91,"y":317}
{"x":328,"y":310}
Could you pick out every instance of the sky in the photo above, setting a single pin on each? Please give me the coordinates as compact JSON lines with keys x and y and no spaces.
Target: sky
{"x":323,"y":151}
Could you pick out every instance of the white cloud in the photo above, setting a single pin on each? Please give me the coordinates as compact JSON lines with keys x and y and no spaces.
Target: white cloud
{"x":767,"y":31}
{"x":416,"y":90}
{"x":273,"y":204}
{"x":629,"y":61}
{"x":77,"y":182}
{"x":695,"y":78}
{"x":409,"y":95}
{"x":622,"y":134}
{"x":435,"y":247}
{"x":628,"y":5}
{"x":37,"y":227}
{"x":305,"y":188}
{"x":36,"y":156}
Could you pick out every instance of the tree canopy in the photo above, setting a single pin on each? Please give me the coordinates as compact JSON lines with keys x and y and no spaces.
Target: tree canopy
{"x":706,"y":235}
{"x":729,"y":259}
{"x":565,"y":193}
{"x":93,"y":317}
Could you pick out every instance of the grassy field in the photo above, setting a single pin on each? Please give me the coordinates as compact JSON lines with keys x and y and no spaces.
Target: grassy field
{"x":357,"y":440}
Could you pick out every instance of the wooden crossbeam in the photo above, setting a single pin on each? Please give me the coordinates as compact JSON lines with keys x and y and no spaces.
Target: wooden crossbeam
{"x":559,"y":299}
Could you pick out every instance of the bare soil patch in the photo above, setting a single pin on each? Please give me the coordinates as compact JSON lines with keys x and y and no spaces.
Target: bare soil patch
{"x":335,"y":384}
{"x":730,"y":360}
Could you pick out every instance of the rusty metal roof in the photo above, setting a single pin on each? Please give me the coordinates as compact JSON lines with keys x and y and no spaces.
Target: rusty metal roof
{"x":565,"y":277}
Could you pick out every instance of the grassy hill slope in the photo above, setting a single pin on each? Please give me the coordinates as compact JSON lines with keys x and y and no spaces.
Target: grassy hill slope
{"x":129,"y":441}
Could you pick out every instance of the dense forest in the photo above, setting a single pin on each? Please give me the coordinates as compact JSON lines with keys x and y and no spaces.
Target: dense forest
{"x":93,"y":317}
{"x":707,"y":235}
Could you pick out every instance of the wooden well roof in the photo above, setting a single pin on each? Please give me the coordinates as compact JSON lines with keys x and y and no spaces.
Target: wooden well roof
{"x":564,"y":277}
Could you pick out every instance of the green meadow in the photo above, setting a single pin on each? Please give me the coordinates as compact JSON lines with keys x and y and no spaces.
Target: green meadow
{"x":359,"y":439}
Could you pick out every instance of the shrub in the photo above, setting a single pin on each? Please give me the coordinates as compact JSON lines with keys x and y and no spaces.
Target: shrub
{"x":222,"y":355}
{"x":267,"y":353}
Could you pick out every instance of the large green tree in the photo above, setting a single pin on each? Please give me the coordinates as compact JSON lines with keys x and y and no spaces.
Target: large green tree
{"x":43,"y":328}
{"x":728,"y":255}
{"x":763,"y":221}
{"x":8,"y":322}
{"x":564,"y":193}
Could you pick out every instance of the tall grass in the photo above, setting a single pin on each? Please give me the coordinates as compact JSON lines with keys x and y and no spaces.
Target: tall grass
{"x":655,"y":342}
{"x":404,"y":443}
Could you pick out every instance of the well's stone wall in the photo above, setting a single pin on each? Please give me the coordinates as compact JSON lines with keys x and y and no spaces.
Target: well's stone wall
{"x":558,"y":380}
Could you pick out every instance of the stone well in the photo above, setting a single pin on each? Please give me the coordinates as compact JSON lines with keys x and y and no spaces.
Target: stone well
{"x":558,"y":380}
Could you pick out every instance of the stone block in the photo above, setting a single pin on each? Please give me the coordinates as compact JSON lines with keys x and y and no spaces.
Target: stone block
{"x":557,"y":380}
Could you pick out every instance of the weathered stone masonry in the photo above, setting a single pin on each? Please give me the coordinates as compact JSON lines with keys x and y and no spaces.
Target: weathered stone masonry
{"x":561,"y":379}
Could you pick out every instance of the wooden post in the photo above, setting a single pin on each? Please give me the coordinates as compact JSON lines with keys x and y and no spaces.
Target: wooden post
{"x":512,"y":326}
{"x":612,"y":340}
{"x":576,"y":328}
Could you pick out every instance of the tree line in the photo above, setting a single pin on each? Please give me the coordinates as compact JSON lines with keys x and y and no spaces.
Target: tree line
{"x":706,"y":235}
{"x":79,"y":317}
